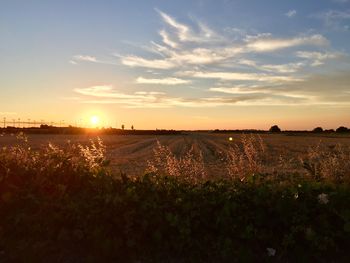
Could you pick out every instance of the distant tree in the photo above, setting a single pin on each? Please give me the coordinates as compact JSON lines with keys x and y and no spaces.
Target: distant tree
{"x":132,"y":127}
{"x":318,"y":129}
{"x":123,"y":127}
{"x":342,"y":129}
{"x":330,"y":130}
{"x":275,"y":128}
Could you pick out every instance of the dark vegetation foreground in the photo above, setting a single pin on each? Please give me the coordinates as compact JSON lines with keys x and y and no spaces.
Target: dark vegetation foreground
{"x":65,"y":206}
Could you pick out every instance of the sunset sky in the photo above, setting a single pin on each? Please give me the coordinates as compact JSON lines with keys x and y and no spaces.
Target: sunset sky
{"x":198,"y":64}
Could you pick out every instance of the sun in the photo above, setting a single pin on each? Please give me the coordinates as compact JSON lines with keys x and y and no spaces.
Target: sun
{"x":94,"y":120}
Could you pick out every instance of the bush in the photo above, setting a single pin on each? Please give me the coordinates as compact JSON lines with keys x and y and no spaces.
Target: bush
{"x":318,"y":129}
{"x":342,"y":129}
{"x":275,"y":128}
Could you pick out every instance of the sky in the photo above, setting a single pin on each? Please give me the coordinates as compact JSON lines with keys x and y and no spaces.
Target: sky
{"x":201,"y":64}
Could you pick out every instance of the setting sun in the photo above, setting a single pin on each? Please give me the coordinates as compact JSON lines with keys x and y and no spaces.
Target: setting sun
{"x":94,"y":120}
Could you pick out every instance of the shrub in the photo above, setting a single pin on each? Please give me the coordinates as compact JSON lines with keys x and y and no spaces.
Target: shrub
{"x":318,"y":129}
{"x":342,"y":129}
{"x":275,"y":128}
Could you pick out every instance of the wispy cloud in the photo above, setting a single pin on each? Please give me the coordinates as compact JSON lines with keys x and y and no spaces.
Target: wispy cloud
{"x":259,"y":77}
{"x":91,"y":59}
{"x":318,"y":58}
{"x":312,"y":91}
{"x":163,"y":81}
{"x":268,"y":44}
{"x":166,"y":39}
{"x":84,"y":58}
{"x":277,"y":68}
{"x":134,"y":61}
{"x":107,"y":95}
{"x":334,"y":19}
{"x":184,"y":48}
{"x":185,"y":33}
{"x":241,"y":68}
{"x":291,"y":13}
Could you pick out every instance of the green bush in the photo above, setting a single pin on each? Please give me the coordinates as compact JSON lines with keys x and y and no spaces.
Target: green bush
{"x":65,"y":206}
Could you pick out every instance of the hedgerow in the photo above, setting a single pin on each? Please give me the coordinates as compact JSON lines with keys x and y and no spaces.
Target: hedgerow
{"x":66,"y":206}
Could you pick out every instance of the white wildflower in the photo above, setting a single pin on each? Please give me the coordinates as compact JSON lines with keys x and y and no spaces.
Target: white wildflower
{"x":271,"y":252}
{"x":323,"y":198}
{"x":296,"y":195}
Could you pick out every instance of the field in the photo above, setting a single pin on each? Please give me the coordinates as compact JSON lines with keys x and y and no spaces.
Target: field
{"x":129,"y":153}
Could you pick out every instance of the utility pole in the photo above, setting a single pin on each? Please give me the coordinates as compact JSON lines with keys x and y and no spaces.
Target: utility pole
{"x":4,"y":122}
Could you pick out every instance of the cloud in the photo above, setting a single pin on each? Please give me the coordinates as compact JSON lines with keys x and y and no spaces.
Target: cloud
{"x":184,"y":48}
{"x":163,"y":81}
{"x":268,"y":44}
{"x":241,"y":69}
{"x":334,"y":19}
{"x":134,"y":61}
{"x":186,"y":34}
{"x":259,"y":77}
{"x":239,"y":89}
{"x":182,"y":30}
{"x":318,"y":58}
{"x":87,"y":58}
{"x":316,"y":90}
{"x":291,"y":13}
{"x":276,"y":68}
{"x":84,"y":58}
{"x":283,"y":68}
{"x":105,"y":94}
{"x":166,"y":39}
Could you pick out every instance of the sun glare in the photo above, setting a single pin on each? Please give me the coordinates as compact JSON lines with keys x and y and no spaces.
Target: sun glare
{"x":94,"y":120}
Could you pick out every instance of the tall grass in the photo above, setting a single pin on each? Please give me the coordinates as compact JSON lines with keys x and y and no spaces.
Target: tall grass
{"x":330,"y":163}
{"x":248,"y":157}
{"x":189,"y":166}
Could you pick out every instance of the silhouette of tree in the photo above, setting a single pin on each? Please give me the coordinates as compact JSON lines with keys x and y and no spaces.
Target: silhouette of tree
{"x":318,"y":129}
{"x":342,"y":129}
{"x":132,"y":127}
{"x":123,"y":127}
{"x":275,"y":128}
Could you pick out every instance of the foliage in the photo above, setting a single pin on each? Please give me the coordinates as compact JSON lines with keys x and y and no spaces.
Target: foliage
{"x":318,"y":129}
{"x":275,"y":128}
{"x":342,"y":129}
{"x":65,"y":206}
